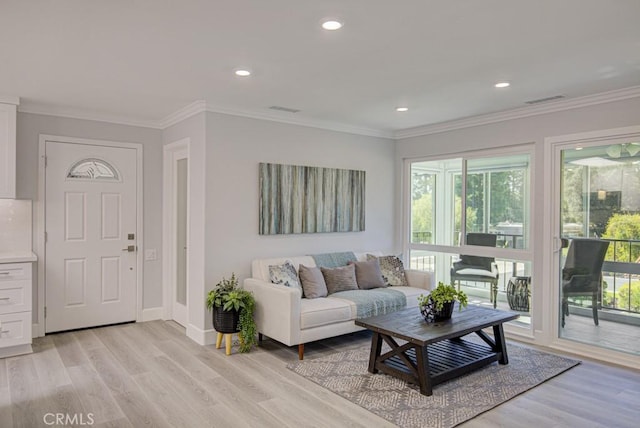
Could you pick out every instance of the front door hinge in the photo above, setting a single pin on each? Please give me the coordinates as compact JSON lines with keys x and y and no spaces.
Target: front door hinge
{"x":46,"y":237}
{"x":45,"y":161}
{"x":45,"y":311}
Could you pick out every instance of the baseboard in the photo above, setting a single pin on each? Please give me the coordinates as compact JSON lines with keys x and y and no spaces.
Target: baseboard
{"x":201,"y":337}
{"x":35,"y":330}
{"x":12,"y":351}
{"x":151,"y":314}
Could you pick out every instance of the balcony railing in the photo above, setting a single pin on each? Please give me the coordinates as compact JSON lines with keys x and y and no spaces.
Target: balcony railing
{"x":621,"y":273}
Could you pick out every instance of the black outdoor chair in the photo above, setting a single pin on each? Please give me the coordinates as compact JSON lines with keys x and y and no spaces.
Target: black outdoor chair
{"x":477,"y":268}
{"x":582,"y":273}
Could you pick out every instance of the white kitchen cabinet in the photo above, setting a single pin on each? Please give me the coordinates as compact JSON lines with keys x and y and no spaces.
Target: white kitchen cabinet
{"x":15,"y":308}
{"x":8,"y":150}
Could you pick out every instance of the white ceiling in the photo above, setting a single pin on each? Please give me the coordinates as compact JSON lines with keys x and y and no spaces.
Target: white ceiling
{"x":143,"y":60}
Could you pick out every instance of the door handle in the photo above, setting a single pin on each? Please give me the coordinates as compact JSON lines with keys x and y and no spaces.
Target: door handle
{"x":130,"y":249}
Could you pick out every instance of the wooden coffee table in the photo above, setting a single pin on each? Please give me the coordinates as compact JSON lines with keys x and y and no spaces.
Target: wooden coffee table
{"x":436,"y":352}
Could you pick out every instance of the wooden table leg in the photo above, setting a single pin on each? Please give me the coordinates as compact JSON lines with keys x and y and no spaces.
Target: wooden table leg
{"x":376,"y":348}
{"x":422,"y":361}
{"x":501,"y":343}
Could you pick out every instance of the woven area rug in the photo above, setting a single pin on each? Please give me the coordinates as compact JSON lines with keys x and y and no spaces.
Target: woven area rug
{"x":452,"y":403}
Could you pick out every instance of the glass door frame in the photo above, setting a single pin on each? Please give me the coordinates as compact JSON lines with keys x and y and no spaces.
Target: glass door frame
{"x":526,"y":255}
{"x":550,"y":334}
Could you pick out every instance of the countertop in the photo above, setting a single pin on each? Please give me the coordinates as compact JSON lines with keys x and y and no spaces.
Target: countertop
{"x":17,"y":256}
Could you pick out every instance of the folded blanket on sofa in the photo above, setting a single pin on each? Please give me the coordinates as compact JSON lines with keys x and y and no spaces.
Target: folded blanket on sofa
{"x":334,"y":260}
{"x":377,"y":301}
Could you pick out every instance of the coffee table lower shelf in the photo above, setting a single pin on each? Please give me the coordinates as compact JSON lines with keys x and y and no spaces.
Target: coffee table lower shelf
{"x":445,"y":360}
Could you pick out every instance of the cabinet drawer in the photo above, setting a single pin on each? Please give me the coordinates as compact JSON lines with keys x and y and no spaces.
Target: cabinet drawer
{"x":15,"y":296}
{"x":14,"y":271}
{"x":15,"y":329}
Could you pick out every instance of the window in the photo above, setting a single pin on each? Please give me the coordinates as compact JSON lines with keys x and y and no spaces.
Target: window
{"x":486,"y":193}
{"x":93,"y":169}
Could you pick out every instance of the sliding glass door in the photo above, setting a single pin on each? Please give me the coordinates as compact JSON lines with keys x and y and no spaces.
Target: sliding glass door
{"x":599,"y":256}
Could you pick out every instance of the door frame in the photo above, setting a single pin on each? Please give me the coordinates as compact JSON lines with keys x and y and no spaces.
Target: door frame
{"x":169,"y":257}
{"x":39,"y":328}
{"x":551,"y":333}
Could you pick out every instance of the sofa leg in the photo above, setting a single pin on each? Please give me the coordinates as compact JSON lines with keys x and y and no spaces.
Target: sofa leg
{"x":260,"y":337}
{"x":300,"y":351}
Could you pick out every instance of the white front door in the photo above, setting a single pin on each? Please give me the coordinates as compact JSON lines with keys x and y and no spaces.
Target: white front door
{"x":90,"y":223}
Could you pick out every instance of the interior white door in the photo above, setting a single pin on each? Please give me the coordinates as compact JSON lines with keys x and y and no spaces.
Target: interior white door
{"x":180,"y":209}
{"x":90,"y":223}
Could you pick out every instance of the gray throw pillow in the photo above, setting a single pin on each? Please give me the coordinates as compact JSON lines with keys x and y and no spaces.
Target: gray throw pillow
{"x":368,"y":274}
{"x":340,"y":278}
{"x":285,"y":274}
{"x":312,"y":282}
{"x":392,"y":269}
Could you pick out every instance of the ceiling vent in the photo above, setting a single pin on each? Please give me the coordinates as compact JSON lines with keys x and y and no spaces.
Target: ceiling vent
{"x":544,"y":100}
{"x":287,"y":109}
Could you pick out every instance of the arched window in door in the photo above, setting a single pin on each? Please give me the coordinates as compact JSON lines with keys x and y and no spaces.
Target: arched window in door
{"x":93,"y":169}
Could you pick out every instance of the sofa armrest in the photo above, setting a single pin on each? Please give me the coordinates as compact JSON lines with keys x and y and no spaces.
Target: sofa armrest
{"x":419,"y":278}
{"x":277,"y":312}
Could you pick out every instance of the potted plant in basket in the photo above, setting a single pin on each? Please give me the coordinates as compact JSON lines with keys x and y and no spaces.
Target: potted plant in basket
{"x":233,"y":311}
{"x":438,"y":305}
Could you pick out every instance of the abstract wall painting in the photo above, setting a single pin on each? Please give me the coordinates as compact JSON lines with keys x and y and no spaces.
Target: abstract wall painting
{"x":306,"y":199}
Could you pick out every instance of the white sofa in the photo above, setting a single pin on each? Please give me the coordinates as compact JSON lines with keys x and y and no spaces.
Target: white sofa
{"x":283,"y":315}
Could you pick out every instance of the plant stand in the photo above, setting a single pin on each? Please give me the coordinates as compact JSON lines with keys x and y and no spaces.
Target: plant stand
{"x":225,"y":323}
{"x":228,"y":340}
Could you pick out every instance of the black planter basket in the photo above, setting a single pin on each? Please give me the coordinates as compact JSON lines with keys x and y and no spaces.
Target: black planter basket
{"x":225,"y":321}
{"x":430,"y":314}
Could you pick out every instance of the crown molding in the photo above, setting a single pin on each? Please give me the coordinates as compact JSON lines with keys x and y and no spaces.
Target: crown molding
{"x":199,"y":106}
{"x":521,"y":112}
{"x":321,"y":124}
{"x":183,"y":114}
{"x":9,"y":99}
{"x":75,"y":113}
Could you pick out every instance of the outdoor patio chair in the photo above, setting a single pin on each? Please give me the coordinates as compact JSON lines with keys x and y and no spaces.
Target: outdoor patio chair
{"x":477,"y":268}
{"x":582,"y":273}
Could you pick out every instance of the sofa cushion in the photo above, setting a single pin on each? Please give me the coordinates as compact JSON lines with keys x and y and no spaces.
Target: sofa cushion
{"x":368,"y":274}
{"x":334,"y":260}
{"x":340,"y":278}
{"x":392,"y":269}
{"x":312,"y":282}
{"x":369,"y":303}
{"x":284,"y":274}
{"x":319,"y":312}
{"x":412,"y":294}
{"x":260,"y":267}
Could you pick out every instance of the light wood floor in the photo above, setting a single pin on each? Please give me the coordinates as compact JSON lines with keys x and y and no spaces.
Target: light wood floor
{"x":150,"y":374}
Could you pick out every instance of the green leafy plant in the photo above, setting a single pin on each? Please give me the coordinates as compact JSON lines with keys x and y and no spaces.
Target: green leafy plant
{"x":442,"y":294}
{"x":227,"y":295}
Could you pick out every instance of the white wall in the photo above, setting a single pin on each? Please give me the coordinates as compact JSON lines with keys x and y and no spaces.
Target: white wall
{"x":235,"y":147}
{"x":30,"y":126}
{"x":534,"y":130}
{"x":224,"y":155}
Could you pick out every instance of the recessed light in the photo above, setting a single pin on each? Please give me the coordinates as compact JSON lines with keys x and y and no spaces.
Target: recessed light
{"x":332,"y":25}
{"x":243,"y":73}
{"x":502,"y":84}
{"x":402,"y":109}
{"x":578,"y":148}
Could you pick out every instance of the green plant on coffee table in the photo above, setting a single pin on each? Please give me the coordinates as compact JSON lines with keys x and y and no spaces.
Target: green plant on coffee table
{"x":227,"y":295}
{"x":442,"y":294}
